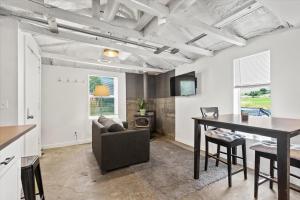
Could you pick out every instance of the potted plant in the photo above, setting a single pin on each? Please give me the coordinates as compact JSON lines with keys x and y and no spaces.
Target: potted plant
{"x":142,"y":106}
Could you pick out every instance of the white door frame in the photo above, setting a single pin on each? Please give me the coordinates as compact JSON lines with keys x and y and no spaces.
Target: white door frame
{"x":31,"y":46}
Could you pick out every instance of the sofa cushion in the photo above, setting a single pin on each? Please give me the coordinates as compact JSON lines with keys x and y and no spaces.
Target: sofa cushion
{"x":115,"y":128}
{"x":110,"y":125}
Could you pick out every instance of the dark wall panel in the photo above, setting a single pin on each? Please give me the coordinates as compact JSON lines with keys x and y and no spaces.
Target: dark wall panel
{"x":163,"y":84}
{"x":134,"y":86}
{"x":159,"y":99}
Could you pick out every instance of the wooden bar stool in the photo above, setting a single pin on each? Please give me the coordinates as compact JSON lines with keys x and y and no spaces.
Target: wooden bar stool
{"x":30,"y":170}
{"x":268,"y":150}
{"x":227,"y":139}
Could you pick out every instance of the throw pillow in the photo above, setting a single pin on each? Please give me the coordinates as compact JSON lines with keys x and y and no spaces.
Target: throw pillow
{"x":106,"y":122}
{"x":115,"y":128}
{"x":110,"y":125}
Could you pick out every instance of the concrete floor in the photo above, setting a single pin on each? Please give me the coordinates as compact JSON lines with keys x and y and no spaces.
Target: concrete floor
{"x":71,"y":173}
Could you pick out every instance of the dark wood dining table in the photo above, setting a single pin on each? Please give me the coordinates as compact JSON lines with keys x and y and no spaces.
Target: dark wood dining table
{"x":282,"y":129}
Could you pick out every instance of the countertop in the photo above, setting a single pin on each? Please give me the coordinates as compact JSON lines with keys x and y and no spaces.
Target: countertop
{"x":9,"y":134}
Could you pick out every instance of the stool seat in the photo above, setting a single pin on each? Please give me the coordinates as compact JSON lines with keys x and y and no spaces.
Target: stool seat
{"x":224,"y":135}
{"x":29,"y":161}
{"x":271,"y":148}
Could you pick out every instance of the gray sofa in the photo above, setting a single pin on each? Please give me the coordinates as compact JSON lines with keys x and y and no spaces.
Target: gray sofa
{"x":119,"y":149}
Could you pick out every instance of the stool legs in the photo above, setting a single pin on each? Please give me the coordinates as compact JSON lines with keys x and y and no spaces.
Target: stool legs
{"x":27,"y":177}
{"x":244,"y":152}
{"x":230,"y":158}
{"x":206,"y":154}
{"x":39,"y":182}
{"x":234,"y":152}
{"x":272,"y":162}
{"x":229,"y":164}
{"x":218,"y":155}
{"x":256,"y":174}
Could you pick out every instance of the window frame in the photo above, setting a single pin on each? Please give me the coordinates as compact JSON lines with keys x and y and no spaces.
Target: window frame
{"x":115,"y":96}
{"x":237,"y":97}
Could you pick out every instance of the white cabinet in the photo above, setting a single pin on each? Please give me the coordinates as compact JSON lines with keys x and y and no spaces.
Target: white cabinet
{"x":10,"y":170}
{"x":9,"y":183}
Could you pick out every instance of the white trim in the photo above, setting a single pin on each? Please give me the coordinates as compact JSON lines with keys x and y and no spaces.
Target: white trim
{"x":115,"y":96}
{"x":65,"y":144}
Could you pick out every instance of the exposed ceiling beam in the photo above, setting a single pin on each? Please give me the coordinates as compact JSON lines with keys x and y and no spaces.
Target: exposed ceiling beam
{"x":96,"y":9}
{"x":75,"y":59}
{"x":243,"y":10}
{"x":150,"y":7}
{"x":174,"y":5}
{"x":203,"y":27}
{"x":58,"y":13}
{"x":111,"y":10}
{"x":99,"y":42}
{"x":107,"y":28}
{"x":197,"y":24}
{"x":180,"y":5}
{"x":240,"y":12}
{"x":143,"y":21}
{"x":57,"y":44}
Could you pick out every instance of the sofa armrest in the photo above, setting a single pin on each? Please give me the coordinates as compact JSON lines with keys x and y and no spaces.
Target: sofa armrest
{"x":97,"y":130}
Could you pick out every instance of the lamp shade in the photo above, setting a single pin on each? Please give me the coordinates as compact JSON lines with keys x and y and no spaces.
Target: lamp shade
{"x":101,"y":91}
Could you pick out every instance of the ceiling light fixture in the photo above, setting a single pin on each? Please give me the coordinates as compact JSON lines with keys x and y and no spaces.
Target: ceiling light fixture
{"x":110,"y":53}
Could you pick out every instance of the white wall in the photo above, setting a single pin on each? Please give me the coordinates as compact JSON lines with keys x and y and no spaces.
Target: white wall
{"x":65,"y":104}
{"x":9,"y":80}
{"x":217,"y":82}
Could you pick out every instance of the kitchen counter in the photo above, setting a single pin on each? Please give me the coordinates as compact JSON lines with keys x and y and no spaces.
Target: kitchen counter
{"x":9,"y":134}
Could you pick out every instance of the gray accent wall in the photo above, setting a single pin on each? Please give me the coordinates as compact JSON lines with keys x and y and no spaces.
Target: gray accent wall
{"x":159,"y":100}
{"x":163,"y":84}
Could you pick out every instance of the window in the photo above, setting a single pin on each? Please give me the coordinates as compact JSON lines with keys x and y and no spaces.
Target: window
{"x":256,"y":100}
{"x":105,"y":105}
{"x":252,"y":86}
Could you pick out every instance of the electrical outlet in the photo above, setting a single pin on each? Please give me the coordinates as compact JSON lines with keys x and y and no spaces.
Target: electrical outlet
{"x":76,"y":136}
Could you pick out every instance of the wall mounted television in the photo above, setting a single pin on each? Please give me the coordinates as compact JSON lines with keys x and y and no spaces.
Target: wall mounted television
{"x":183,"y":85}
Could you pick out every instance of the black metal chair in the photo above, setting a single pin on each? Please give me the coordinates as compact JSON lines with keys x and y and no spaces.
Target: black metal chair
{"x":30,"y":169}
{"x":227,"y":139}
{"x":268,"y":150}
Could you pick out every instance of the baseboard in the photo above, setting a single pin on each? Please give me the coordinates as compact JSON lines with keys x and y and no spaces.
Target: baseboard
{"x":65,"y":144}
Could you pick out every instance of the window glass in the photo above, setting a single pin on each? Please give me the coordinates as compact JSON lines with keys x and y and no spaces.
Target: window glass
{"x":102,"y":105}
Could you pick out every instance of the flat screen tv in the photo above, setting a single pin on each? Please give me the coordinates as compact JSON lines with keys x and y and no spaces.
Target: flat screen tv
{"x":183,"y":85}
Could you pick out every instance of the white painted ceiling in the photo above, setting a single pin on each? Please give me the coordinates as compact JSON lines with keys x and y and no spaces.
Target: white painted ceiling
{"x":235,"y":17}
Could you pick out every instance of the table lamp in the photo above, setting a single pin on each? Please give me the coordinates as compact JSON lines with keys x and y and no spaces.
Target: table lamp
{"x":101,"y":91}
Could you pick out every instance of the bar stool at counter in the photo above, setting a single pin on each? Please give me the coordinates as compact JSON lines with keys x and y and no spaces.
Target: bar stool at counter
{"x":268,"y":150}
{"x":224,"y":138}
{"x":30,"y":171}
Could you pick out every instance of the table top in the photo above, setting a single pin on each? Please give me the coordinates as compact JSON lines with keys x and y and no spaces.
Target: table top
{"x":9,"y":134}
{"x":268,"y":126}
